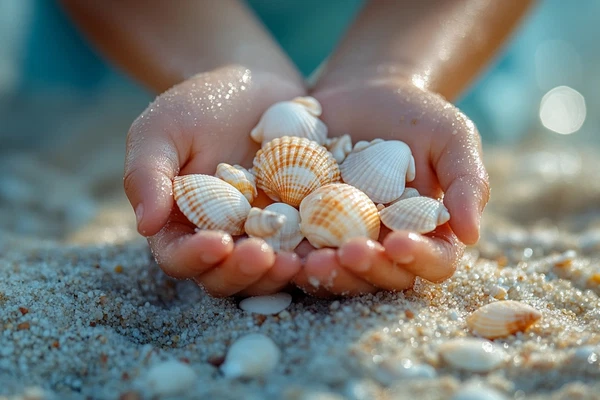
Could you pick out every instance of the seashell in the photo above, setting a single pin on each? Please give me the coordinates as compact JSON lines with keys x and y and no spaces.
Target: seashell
{"x":339,"y":147}
{"x":238,"y":177}
{"x":251,"y":356}
{"x":298,"y":117}
{"x":474,"y":391}
{"x":502,"y":318}
{"x":418,"y":214}
{"x":170,"y":378}
{"x":334,"y":213}
{"x":407,"y":194}
{"x":211,"y":203}
{"x":379,"y":168}
{"x":289,"y":168}
{"x":472,"y":354}
{"x":263,"y":223}
{"x":289,"y":236}
{"x":267,"y":305}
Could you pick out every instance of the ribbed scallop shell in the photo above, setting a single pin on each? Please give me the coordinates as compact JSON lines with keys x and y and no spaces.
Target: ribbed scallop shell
{"x":298,"y":117}
{"x":502,"y":318}
{"x":211,"y":203}
{"x":289,"y":236}
{"x":339,"y":147}
{"x":289,"y":168}
{"x":334,"y":213}
{"x":380,"y":168}
{"x":418,"y":214}
{"x":263,"y":223}
{"x":238,"y":177}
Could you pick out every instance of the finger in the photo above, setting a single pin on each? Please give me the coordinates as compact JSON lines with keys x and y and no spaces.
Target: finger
{"x":286,"y":266}
{"x":151,"y":163}
{"x":368,"y":260}
{"x":432,"y":258}
{"x":248,"y":262}
{"x":462,"y":176}
{"x":322,"y":271}
{"x":183,"y":254}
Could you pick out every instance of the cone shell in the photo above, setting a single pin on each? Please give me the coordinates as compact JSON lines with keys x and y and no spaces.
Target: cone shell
{"x":289,"y":236}
{"x":238,"y":177}
{"x":502,"y":318}
{"x":380,"y":168}
{"x":289,"y":168}
{"x":418,"y":214}
{"x":263,"y":223}
{"x":339,"y":147}
{"x":211,"y":203}
{"x":334,"y":213}
{"x":298,"y":117}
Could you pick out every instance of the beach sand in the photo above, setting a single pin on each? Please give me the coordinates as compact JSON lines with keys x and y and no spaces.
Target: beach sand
{"x":85,"y":312}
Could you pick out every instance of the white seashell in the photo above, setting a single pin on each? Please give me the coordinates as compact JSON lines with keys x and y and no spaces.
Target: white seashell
{"x":263,"y":223}
{"x":380,"y":169}
{"x":289,"y":168}
{"x":418,"y":214}
{"x":251,"y":356}
{"x":334,"y":213}
{"x":289,"y":236}
{"x":238,"y":177}
{"x":170,"y":378}
{"x":391,"y":370}
{"x":472,"y":354}
{"x":267,"y":305}
{"x":502,"y":318}
{"x":298,"y":117}
{"x":339,"y":147}
{"x":407,"y":194}
{"x":211,"y":203}
{"x":477,"y":392}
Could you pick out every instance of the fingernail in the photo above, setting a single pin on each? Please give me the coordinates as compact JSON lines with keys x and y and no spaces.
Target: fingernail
{"x":405,"y":259}
{"x":208,"y":258}
{"x":139,"y":213}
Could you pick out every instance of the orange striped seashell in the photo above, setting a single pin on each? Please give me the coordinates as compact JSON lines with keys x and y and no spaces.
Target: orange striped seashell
{"x":418,"y":214}
{"x":238,"y":177}
{"x":335,"y":213}
{"x":502,"y":318}
{"x":211,"y":203}
{"x":290,"y":168}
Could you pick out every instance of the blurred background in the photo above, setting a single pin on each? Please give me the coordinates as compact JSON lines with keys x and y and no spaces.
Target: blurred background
{"x":64,"y":112}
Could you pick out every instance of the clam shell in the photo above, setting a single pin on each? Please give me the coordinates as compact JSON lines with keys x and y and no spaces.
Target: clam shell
{"x":211,"y":203}
{"x":267,"y":305}
{"x":238,"y":177}
{"x":334,"y":213}
{"x":262,"y":223}
{"x":289,"y":236}
{"x":339,"y":147}
{"x":418,"y":214}
{"x":472,"y":354}
{"x":502,"y":318}
{"x":379,"y":168}
{"x":251,"y":356}
{"x":289,"y":168}
{"x":298,"y":117}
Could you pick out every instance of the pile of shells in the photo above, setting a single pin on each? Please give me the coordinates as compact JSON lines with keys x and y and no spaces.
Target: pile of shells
{"x":324,"y":190}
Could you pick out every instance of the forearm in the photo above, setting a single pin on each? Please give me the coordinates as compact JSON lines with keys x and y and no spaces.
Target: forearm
{"x":439,"y":45}
{"x":162,"y":43}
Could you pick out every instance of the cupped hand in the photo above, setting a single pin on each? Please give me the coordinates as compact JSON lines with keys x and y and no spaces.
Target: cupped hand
{"x":447,"y":150}
{"x":189,"y":130}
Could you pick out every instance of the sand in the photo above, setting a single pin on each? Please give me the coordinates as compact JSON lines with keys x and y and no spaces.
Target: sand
{"x":85,"y":312}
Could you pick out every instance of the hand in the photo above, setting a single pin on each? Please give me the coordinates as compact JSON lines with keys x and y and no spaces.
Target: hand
{"x":190,"y":129}
{"x":447,"y":151}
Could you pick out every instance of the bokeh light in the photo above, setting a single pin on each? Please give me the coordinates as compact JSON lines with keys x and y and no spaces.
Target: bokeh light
{"x":563,"y":110}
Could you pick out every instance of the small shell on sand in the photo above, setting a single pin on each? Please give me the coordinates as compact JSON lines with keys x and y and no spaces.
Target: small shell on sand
{"x":502,"y":318}
{"x":251,"y":356}
{"x":170,"y":378}
{"x":472,"y":354}
{"x":266,"y":305}
{"x":477,"y":392}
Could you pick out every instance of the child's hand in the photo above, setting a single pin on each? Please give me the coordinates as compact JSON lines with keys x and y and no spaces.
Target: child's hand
{"x":447,"y":151}
{"x":190,"y":129}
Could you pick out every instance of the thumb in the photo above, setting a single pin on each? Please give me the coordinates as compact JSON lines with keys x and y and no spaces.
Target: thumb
{"x":151,"y":163}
